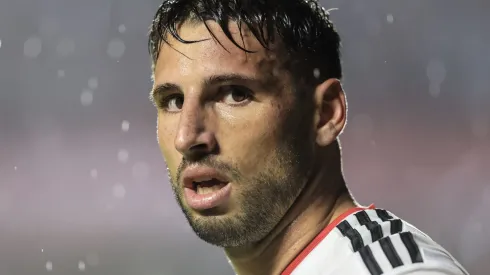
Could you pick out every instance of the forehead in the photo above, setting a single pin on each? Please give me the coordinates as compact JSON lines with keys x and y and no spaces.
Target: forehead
{"x":214,"y":55}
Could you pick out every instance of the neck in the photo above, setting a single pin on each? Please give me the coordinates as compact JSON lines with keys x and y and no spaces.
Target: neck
{"x":323,"y":199}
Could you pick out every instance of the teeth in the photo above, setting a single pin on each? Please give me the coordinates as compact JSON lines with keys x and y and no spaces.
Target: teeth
{"x":206,"y":190}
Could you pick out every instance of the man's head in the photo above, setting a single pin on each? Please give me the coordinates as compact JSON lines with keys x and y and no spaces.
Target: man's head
{"x":247,"y":95}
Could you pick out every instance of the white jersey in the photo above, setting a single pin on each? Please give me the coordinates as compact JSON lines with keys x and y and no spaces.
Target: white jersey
{"x":370,"y":241}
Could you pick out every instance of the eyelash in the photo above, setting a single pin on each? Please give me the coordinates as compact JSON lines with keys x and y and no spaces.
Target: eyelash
{"x":227,"y":90}
{"x":222,"y":92}
{"x":163,"y":103}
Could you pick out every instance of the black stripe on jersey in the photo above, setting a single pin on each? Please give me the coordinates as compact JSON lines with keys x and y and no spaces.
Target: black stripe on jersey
{"x":354,"y":236}
{"x":396,"y":225}
{"x":390,"y":252}
{"x":369,"y":260}
{"x":373,"y":227}
{"x":412,"y":247}
{"x":383,"y":215}
{"x":362,"y":217}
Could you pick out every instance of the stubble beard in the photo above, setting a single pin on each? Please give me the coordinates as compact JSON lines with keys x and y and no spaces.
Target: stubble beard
{"x":263,"y":200}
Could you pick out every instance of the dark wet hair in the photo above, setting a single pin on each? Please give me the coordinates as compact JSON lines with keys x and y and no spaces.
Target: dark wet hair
{"x":302,"y":26}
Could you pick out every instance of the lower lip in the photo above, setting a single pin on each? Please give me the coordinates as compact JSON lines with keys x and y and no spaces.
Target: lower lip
{"x":207,"y":201}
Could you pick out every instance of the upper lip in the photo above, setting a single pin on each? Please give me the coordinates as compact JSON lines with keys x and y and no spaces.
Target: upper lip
{"x":197,"y":173}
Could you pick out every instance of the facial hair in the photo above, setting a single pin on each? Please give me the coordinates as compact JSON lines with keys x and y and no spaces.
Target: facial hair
{"x":263,"y":199}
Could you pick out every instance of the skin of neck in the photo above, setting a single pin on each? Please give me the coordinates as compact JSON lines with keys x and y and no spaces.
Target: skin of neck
{"x":324,"y":198}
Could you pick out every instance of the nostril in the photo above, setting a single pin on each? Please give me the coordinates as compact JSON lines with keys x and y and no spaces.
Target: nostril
{"x":198,"y":152}
{"x":200,"y":147}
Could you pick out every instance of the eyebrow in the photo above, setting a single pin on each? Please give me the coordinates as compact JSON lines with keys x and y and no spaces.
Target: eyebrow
{"x":210,"y":81}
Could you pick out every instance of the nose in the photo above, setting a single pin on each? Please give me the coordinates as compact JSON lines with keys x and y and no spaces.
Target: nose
{"x":194,"y":139}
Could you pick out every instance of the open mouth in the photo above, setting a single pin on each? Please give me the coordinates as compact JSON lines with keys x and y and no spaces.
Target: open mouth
{"x":207,"y":185}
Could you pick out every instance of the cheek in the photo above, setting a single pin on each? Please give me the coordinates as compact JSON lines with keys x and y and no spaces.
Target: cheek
{"x":252,"y":142}
{"x":166,"y":136}
{"x":260,"y":148}
{"x":166,"y":130}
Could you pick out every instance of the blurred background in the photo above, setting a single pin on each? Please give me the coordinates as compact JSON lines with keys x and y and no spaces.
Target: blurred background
{"x":83,"y":188}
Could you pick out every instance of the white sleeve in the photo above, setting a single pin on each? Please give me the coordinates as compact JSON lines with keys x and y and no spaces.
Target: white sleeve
{"x":427,"y":269}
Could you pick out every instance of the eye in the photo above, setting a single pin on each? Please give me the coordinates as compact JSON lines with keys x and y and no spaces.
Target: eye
{"x":172,"y":103}
{"x":235,"y":95}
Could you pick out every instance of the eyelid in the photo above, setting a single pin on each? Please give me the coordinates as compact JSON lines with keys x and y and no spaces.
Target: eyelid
{"x":248,"y":95}
{"x":162,"y":99}
{"x":165,"y":99}
{"x":231,"y":87}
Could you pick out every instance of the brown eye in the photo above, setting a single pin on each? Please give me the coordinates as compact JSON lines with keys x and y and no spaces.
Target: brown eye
{"x":235,"y":95}
{"x":173,"y":103}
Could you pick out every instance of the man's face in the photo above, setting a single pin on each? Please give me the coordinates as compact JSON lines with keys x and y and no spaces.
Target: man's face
{"x":236,"y":142}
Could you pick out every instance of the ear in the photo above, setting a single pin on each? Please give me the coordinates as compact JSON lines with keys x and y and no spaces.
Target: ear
{"x":330,"y":111}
